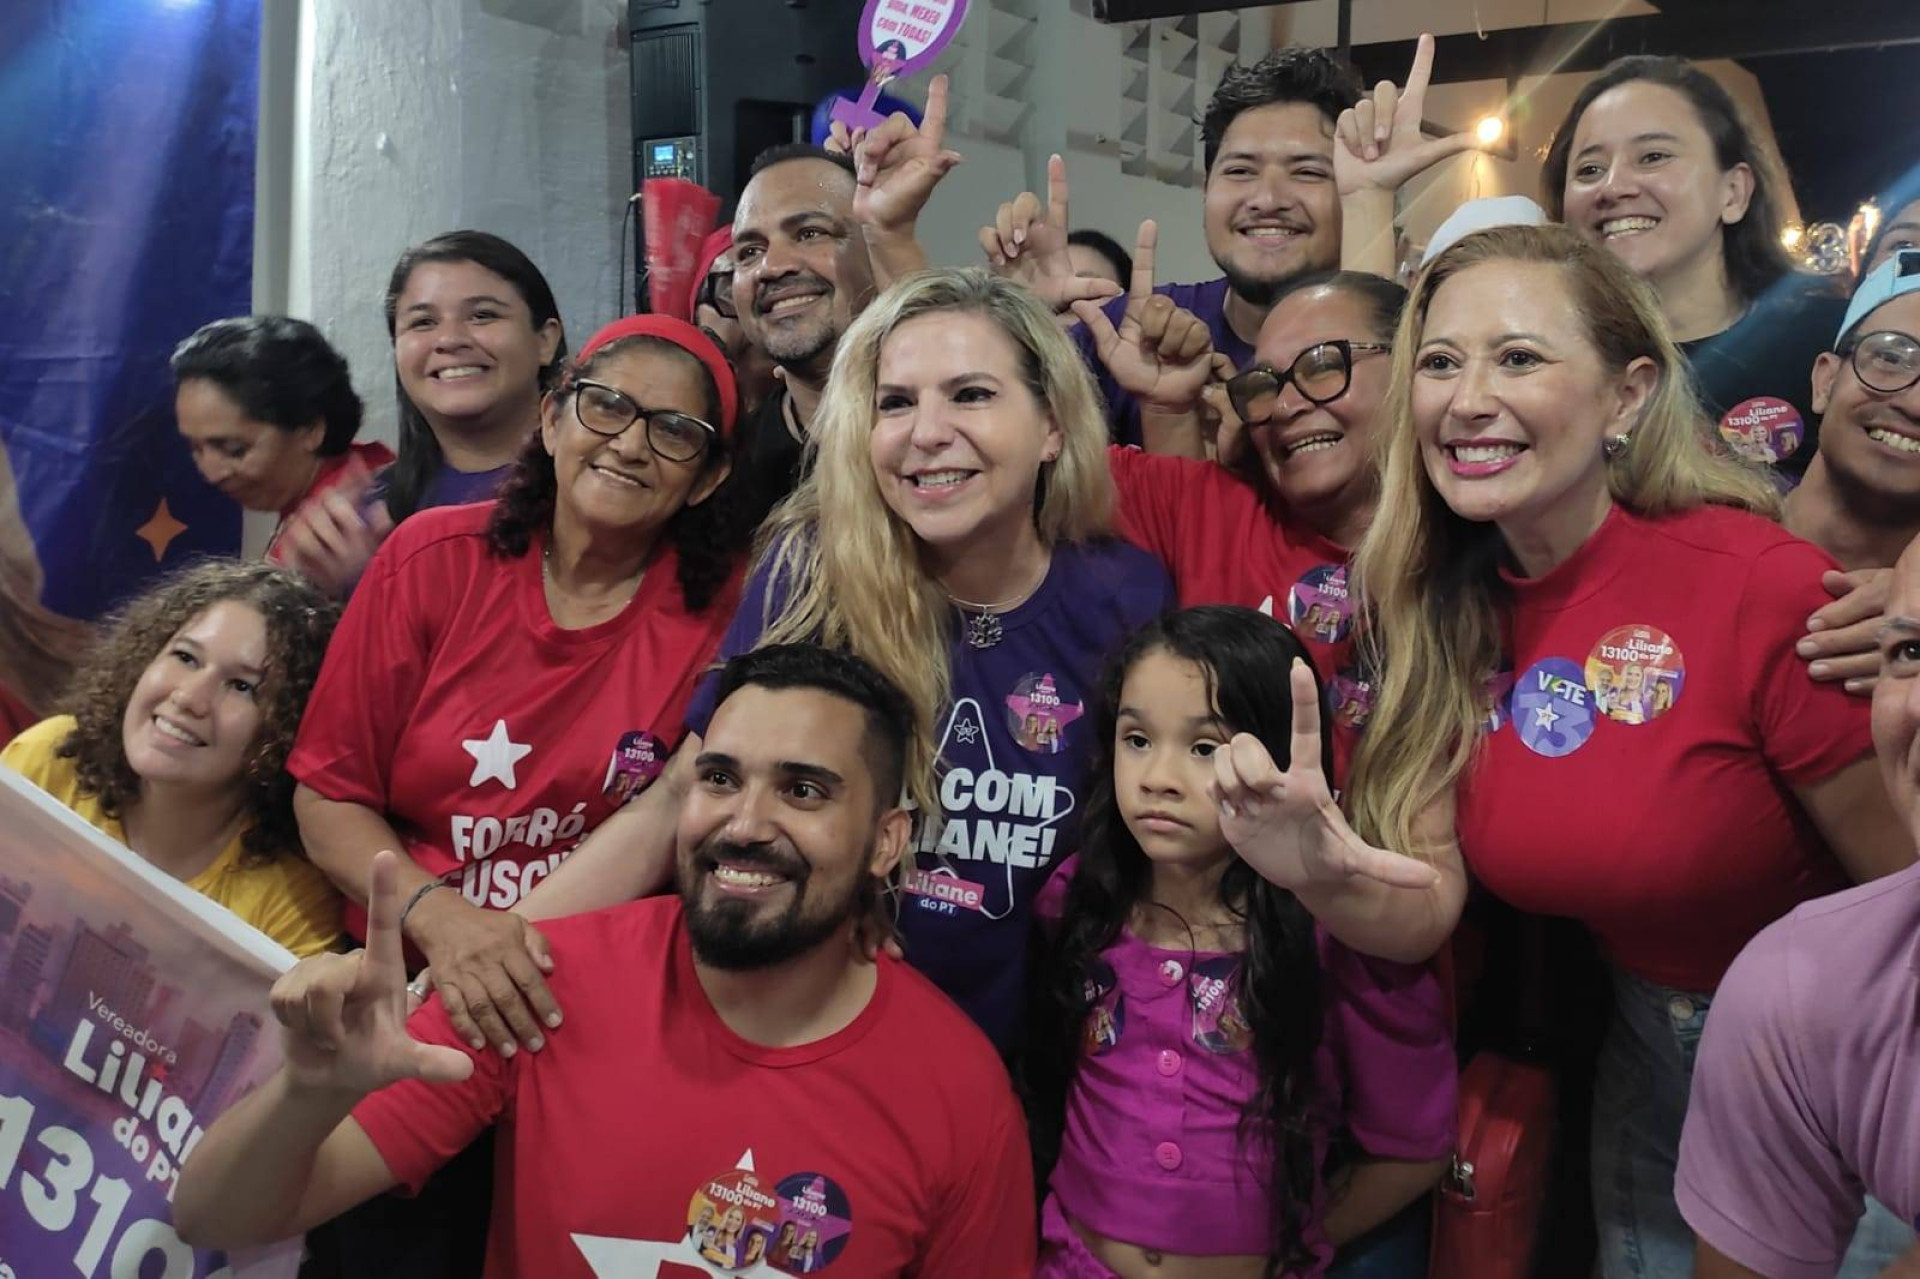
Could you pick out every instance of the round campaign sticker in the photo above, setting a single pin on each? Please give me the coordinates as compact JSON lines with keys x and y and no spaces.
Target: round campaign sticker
{"x":1106,"y":1010}
{"x":1350,"y":697}
{"x":1636,"y":674}
{"x":1499,"y":699}
{"x":732,"y":1221}
{"x":1552,"y":708}
{"x":1320,"y":606}
{"x":638,"y":758}
{"x":816,"y":1220}
{"x":901,"y":36}
{"x":1038,"y":716}
{"x":1219,"y":1024}
{"x":1763,"y":429}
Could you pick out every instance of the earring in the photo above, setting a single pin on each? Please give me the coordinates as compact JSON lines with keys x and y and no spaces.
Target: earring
{"x":1616,"y":446}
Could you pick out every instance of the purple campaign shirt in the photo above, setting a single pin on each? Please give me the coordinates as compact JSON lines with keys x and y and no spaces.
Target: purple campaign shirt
{"x":1152,"y":1152}
{"x":1014,"y":747}
{"x":1806,"y":1094}
{"x":1208,"y":302}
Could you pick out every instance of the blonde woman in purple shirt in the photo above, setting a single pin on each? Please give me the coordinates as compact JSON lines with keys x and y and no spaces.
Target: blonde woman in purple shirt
{"x":1197,"y":1042}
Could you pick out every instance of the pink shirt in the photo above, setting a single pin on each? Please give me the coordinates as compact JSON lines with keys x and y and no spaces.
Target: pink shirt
{"x":1152,"y":1154}
{"x":1806,"y":1094}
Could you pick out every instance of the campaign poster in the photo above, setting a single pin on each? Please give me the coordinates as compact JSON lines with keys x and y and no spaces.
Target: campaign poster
{"x":133,"y":1012}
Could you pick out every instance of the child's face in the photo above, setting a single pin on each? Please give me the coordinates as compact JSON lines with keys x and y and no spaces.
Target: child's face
{"x":1164,"y":740}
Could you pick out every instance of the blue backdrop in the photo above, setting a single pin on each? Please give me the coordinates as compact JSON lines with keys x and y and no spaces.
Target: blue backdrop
{"x":126,"y":221}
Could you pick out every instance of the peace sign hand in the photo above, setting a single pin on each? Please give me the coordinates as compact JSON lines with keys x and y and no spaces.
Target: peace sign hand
{"x":897,"y":165}
{"x":1161,"y":353}
{"x":1378,"y":144}
{"x":344,"y":1016}
{"x":1029,"y":244}
{"x":1286,"y":825}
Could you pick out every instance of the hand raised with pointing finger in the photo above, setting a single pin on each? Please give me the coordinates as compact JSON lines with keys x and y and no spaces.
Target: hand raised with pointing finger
{"x":345,"y":1016}
{"x":1160,"y":353}
{"x":1029,"y":244}
{"x":1378,"y":143}
{"x":897,"y":165}
{"x":1286,"y":825}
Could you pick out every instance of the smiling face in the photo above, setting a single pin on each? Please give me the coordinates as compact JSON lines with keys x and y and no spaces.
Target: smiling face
{"x":465,"y":344}
{"x":1643,"y":182}
{"x":1318,"y":457}
{"x":1896,"y":695}
{"x":1164,"y":740}
{"x":257,"y":464}
{"x":959,"y":436}
{"x":1271,"y":211}
{"x":1511,"y":404}
{"x":800,"y":262}
{"x":194,"y":714}
{"x":620,"y":483}
{"x":1870,"y":440}
{"x":782,"y":831}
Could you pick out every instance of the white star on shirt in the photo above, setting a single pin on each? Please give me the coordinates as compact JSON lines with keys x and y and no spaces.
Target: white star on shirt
{"x":494,"y":756}
{"x":1266,"y":606}
{"x":966,"y":730}
{"x":1545,"y":717}
{"x":641,"y":1258}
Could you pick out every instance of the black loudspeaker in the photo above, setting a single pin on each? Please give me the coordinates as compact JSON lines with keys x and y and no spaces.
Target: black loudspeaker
{"x":716,"y":82}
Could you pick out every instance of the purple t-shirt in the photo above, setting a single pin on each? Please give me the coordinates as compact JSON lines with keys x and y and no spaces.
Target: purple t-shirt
{"x":1806,"y":1094}
{"x":1015,"y":745}
{"x":1152,"y":1152}
{"x":449,"y":487}
{"x":1208,"y":302}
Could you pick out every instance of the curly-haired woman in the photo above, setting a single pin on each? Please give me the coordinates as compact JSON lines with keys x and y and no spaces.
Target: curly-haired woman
{"x":177,"y":744}
{"x":508,"y":674}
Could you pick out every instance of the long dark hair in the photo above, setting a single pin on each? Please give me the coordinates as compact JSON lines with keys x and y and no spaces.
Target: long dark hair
{"x":419,"y":453}
{"x":1750,"y":247}
{"x":279,"y":370}
{"x":1244,"y":656}
{"x":702,"y":537}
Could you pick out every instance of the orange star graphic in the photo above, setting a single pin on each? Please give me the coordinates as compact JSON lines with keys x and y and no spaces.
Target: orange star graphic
{"x":160,"y":531}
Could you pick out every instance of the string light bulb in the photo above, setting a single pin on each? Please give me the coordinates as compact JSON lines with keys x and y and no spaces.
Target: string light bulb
{"x":1490,"y":130}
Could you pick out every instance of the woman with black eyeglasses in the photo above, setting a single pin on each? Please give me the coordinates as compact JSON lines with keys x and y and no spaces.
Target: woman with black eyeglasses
{"x":510,"y":673}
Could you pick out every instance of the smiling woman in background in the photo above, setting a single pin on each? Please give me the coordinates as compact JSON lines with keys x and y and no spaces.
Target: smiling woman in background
{"x":267,"y":408}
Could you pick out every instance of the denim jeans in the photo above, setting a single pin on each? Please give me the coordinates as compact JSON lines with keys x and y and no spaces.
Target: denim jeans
{"x":1395,"y":1249}
{"x":1639,"y":1104}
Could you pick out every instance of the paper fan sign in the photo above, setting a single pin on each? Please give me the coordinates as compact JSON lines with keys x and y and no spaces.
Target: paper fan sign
{"x":897,"y":37}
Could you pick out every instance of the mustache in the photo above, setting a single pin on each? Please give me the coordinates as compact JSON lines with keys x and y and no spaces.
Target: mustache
{"x":772,"y":291}
{"x":763,"y":856}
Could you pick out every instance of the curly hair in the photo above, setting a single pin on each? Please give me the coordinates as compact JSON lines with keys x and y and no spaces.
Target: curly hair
{"x":703,"y":539}
{"x":1292,"y":74}
{"x":299,"y":619}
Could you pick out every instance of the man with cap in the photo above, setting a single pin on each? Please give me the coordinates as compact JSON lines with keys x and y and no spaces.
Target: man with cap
{"x":1806,"y":1094}
{"x":1860,"y":500}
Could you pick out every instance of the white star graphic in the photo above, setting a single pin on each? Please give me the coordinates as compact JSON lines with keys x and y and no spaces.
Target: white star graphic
{"x":1266,"y":606}
{"x":613,"y":1258}
{"x":494,"y":756}
{"x":1545,"y":717}
{"x":966,"y":731}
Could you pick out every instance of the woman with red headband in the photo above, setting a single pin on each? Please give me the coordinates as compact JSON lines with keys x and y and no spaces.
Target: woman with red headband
{"x":509,"y":673}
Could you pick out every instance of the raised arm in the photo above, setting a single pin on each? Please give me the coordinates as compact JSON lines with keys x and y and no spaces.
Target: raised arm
{"x":897,"y":165}
{"x":1288,"y":827}
{"x":1028,"y":243}
{"x":290,"y":1156}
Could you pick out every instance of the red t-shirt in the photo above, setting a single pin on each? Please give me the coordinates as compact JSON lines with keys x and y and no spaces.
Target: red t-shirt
{"x":646,"y":1133}
{"x":1641,"y":776}
{"x":16,"y":717}
{"x":491,"y":738}
{"x":332,"y":470}
{"x":1224,"y":545}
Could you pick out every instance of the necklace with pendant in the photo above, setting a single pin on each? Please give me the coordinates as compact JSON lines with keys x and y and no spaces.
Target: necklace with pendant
{"x":983,"y":628}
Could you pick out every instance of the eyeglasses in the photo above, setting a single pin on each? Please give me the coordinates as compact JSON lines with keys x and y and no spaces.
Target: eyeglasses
{"x":1321,"y":373}
{"x":677,"y":437}
{"x":716,"y":291}
{"x":1886,"y":362}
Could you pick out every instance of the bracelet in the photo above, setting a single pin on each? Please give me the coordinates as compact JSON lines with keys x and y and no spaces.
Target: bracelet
{"x":414,"y":900}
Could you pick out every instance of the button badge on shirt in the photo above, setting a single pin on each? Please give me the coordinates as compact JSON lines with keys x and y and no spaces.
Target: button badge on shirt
{"x":1167,"y":1155}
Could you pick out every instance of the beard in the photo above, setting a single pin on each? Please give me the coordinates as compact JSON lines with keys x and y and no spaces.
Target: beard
{"x":739,"y":934}
{"x":1254,"y":290}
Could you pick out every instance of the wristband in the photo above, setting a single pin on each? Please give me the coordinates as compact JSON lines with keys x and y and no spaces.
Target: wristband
{"x":414,"y":900}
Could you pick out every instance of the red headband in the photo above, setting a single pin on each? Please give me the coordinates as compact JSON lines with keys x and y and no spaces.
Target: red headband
{"x":688,"y":339}
{"x":720,"y":241}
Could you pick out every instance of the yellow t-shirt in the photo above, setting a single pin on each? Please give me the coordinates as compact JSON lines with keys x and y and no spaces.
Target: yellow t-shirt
{"x":285,"y":898}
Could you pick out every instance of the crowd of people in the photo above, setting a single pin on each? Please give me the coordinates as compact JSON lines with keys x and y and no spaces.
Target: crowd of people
{"x":996,"y":769}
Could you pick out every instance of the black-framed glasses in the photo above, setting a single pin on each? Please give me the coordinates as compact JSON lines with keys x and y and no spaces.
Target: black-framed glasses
{"x":1887,"y":361}
{"x":1321,"y":373}
{"x":607,"y":411}
{"x":716,"y":291}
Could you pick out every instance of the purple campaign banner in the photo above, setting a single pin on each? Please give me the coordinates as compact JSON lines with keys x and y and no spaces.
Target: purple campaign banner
{"x":133,"y":1012}
{"x":897,"y":37}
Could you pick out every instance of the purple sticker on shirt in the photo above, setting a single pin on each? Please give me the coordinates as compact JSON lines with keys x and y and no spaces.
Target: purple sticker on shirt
{"x":1320,"y":605}
{"x":817,"y":1220}
{"x":1553,"y":708}
{"x":1106,"y":1012}
{"x":1219,"y":1024}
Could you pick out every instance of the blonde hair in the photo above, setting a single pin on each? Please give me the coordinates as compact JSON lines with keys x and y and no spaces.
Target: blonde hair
{"x":851,"y":570}
{"x":1429,"y":578}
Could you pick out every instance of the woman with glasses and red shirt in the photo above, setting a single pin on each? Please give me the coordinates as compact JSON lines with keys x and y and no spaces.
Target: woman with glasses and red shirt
{"x":510,"y":673}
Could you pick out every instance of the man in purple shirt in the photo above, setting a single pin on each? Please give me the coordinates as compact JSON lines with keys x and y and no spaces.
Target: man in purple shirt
{"x":1806,"y":1095}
